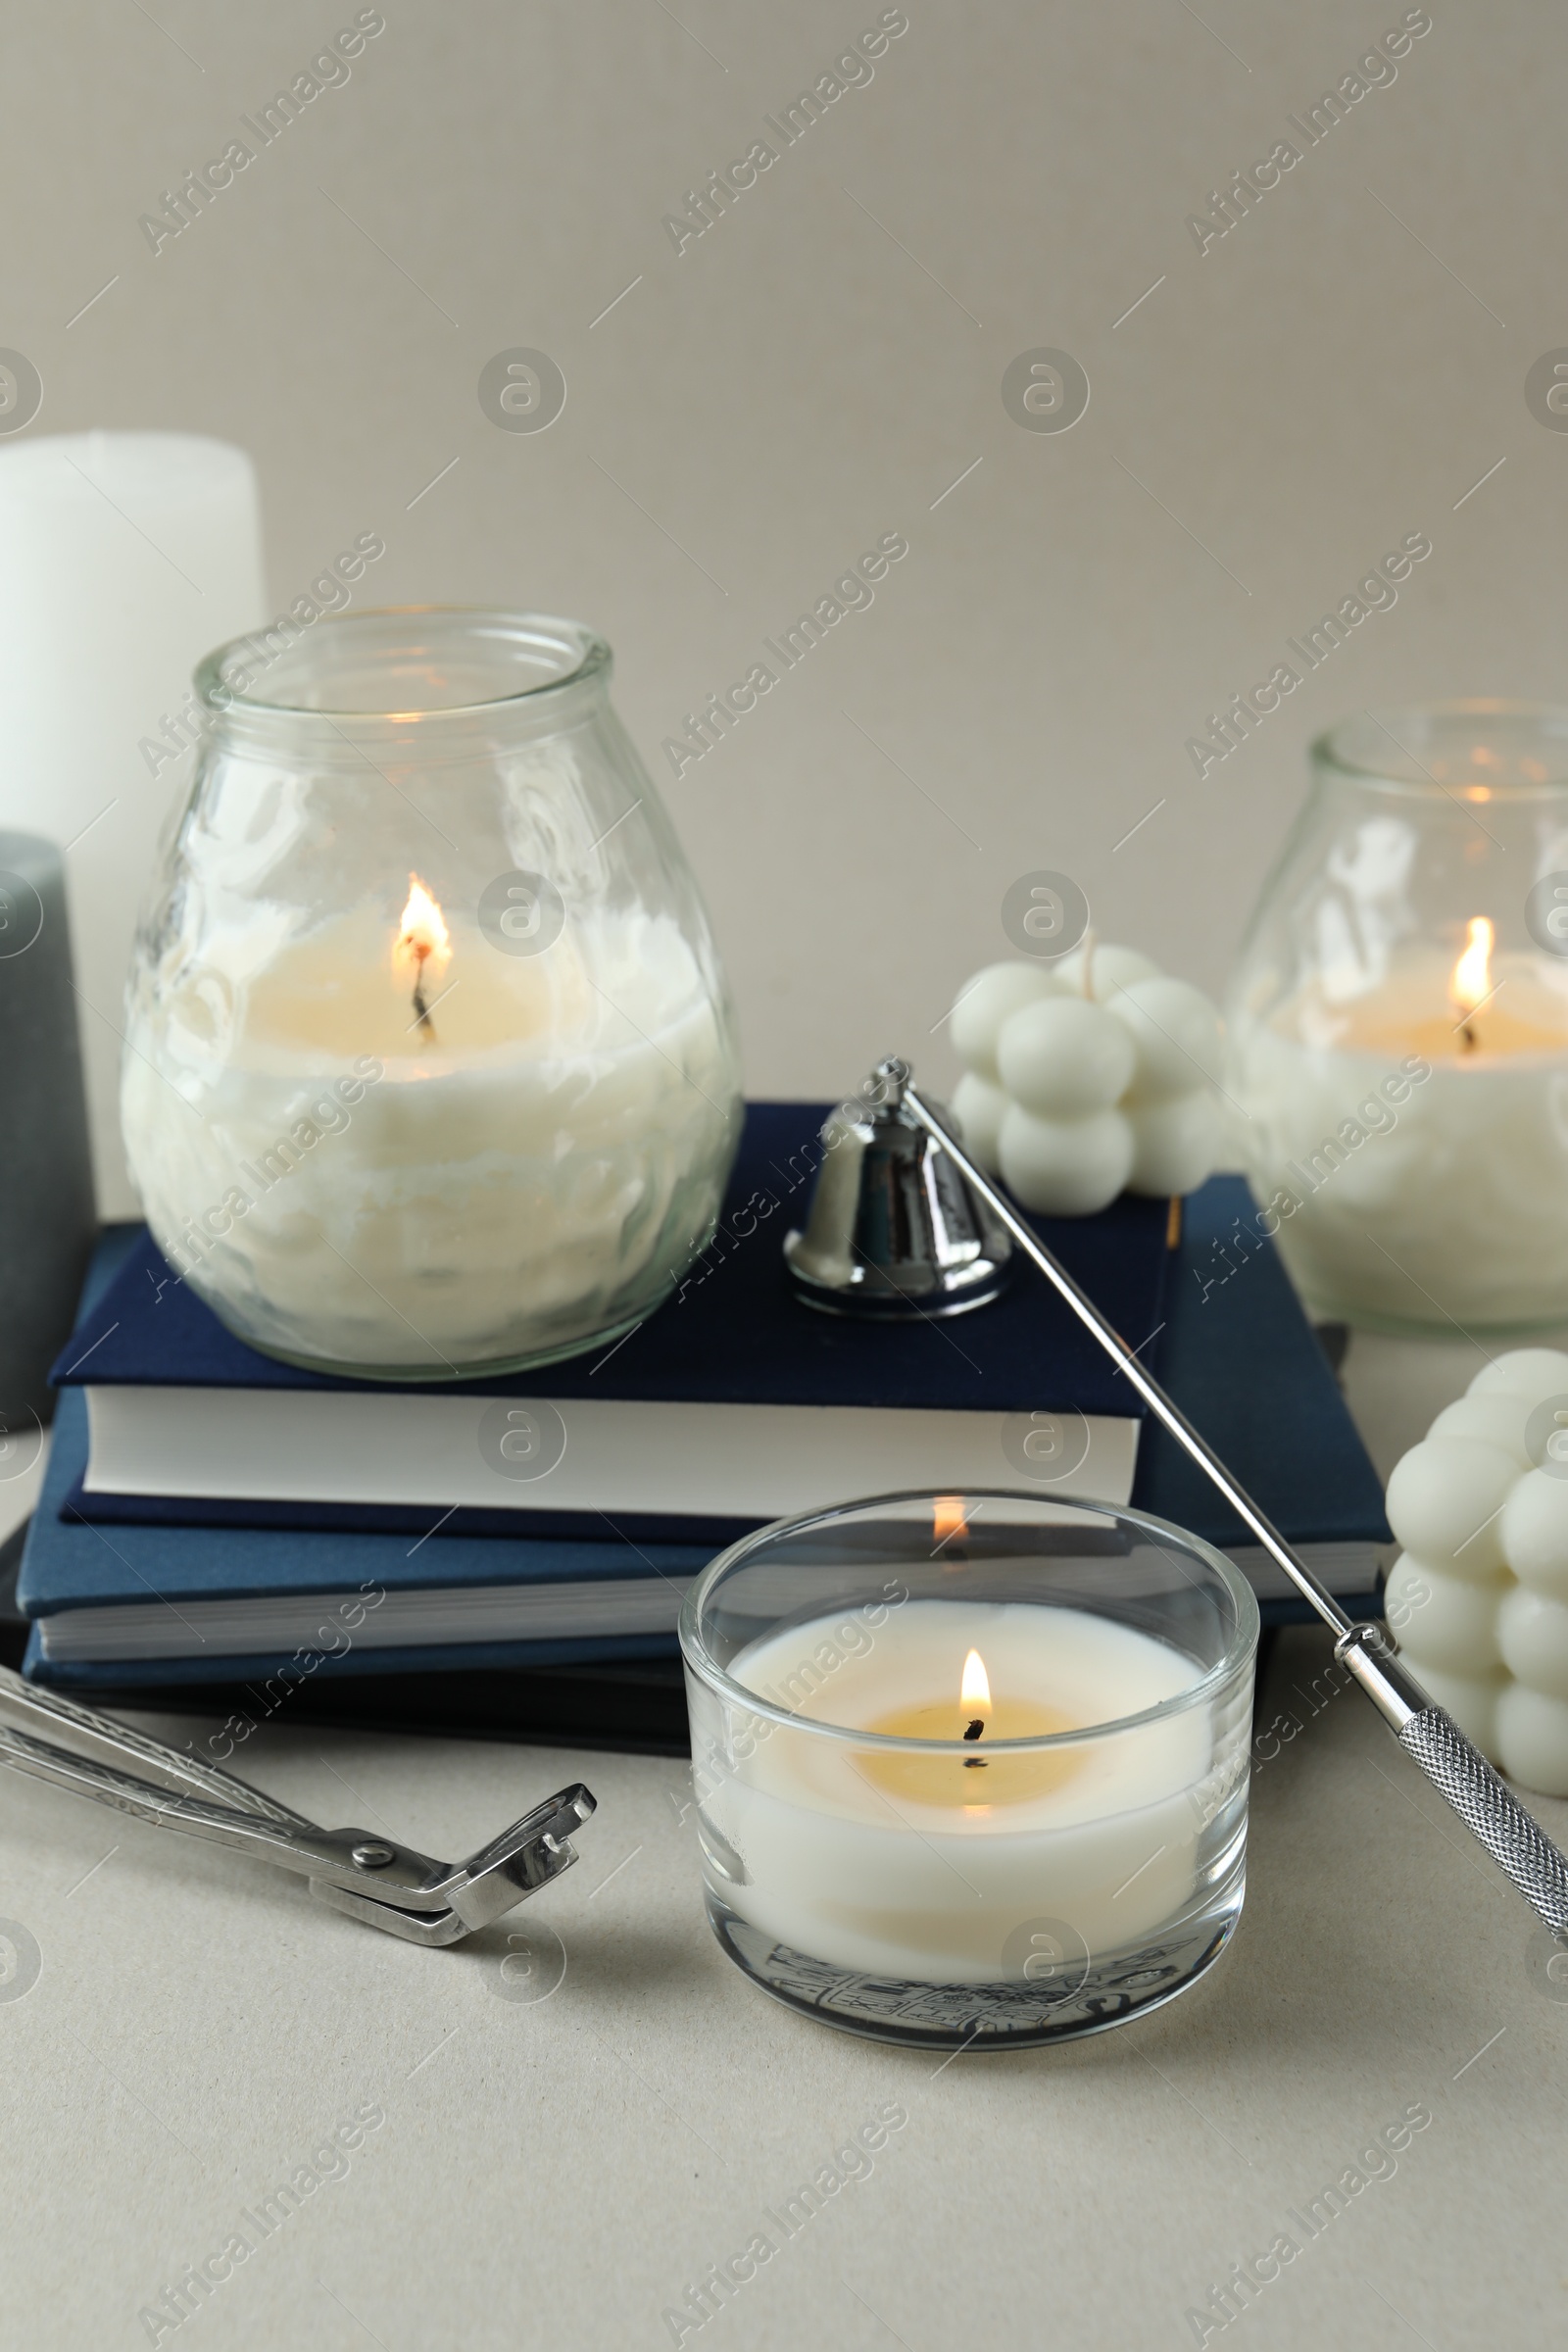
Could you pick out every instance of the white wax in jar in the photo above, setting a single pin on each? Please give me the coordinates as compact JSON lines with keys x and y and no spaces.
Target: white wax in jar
{"x":822,"y":1845}
{"x":1427,"y":1158}
{"x":526,"y":1160}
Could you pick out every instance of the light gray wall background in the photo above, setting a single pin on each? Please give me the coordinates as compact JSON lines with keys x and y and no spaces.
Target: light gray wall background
{"x":821,"y":366}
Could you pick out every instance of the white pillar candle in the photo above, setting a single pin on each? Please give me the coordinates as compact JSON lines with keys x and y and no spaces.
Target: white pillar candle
{"x":923,"y":1865}
{"x":1410,"y":1143}
{"x":123,"y":556}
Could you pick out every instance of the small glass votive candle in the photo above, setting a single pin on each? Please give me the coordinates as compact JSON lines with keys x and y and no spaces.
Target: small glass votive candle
{"x":971,"y":1768}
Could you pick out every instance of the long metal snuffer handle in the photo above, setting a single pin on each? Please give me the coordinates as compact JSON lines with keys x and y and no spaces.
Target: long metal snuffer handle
{"x":358,"y":1870}
{"x":1457,"y":1768}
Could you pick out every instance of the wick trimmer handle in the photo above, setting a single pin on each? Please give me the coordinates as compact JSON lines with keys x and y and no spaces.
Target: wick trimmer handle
{"x":1462,"y":1776}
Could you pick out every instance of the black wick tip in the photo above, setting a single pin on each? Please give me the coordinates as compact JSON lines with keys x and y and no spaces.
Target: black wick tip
{"x":976,"y":1728}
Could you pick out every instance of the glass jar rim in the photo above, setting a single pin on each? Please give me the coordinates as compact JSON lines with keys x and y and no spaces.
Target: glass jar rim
{"x":583,"y":653}
{"x":1241,"y":1645}
{"x":1347,"y":748}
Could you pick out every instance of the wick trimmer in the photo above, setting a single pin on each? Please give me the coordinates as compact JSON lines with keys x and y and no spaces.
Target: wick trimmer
{"x":358,"y":1870}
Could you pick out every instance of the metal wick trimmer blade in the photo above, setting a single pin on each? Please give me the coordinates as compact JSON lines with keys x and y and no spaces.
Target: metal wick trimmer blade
{"x":389,"y":1886}
{"x":1454,"y":1766}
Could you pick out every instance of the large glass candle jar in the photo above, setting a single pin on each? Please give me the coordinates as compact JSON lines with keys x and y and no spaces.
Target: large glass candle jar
{"x":1398,"y":1024}
{"x":429,"y":1063}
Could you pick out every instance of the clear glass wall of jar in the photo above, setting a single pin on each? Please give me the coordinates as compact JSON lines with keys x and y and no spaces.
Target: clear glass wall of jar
{"x":1398,"y":1024}
{"x":430,"y":1064}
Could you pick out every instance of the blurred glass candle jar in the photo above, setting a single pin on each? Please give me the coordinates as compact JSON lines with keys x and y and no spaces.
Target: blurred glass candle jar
{"x":971,"y":1766}
{"x":1398,"y":1024}
{"x":429,"y":1060}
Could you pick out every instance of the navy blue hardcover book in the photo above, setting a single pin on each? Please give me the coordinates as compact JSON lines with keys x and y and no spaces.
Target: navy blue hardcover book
{"x":732,"y":1330}
{"x":736,"y":1369}
{"x":200,"y":1604}
{"x":1236,"y":1353}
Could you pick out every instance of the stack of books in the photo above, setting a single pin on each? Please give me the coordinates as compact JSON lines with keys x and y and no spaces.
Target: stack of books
{"x":509,"y":1554}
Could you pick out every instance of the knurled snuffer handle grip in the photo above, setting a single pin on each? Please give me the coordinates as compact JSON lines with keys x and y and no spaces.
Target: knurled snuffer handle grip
{"x":1490,"y":1812}
{"x":1460,"y":1774}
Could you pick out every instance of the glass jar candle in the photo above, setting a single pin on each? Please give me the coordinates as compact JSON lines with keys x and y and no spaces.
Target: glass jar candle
{"x":430,"y":1067}
{"x":1398,"y":1025}
{"x":971,"y":1768}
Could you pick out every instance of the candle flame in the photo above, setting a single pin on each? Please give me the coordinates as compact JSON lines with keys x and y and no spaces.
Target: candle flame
{"x":948,"y":1519}
{"x":974,"y":1692}
{"x":1472,"y":974}
{"x":423,"y":944}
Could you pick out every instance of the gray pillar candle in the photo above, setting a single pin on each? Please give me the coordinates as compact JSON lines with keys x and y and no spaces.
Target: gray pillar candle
{"x":46,"y":1195}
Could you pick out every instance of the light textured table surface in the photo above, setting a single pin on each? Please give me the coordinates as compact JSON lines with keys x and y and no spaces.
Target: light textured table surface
{"x":576,"y":2126}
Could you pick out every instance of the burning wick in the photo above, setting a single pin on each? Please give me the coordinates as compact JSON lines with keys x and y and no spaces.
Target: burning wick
{"x":1472,"y":979}
{"x":423,"y":941}
{"x":974,"y":1692}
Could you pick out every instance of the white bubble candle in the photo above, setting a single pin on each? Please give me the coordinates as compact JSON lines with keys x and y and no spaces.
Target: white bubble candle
{"x":1086,"y":1078}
